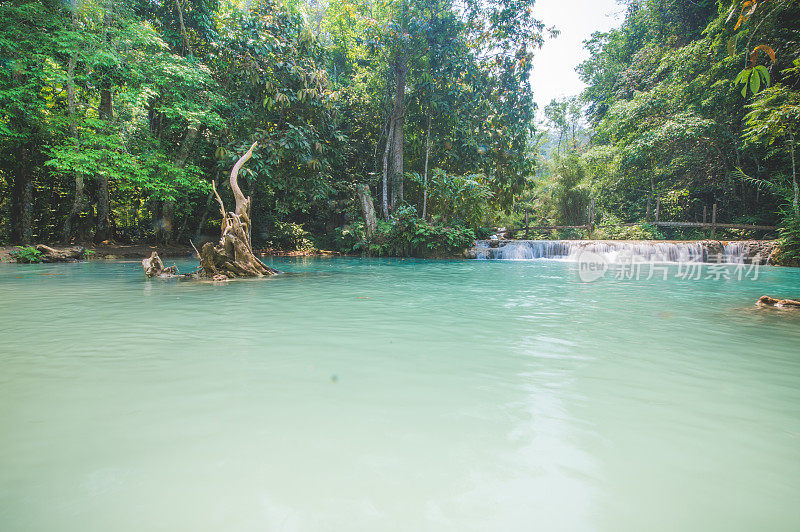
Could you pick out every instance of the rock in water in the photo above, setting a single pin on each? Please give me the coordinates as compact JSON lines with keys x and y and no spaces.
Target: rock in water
{"x":766,"y":301}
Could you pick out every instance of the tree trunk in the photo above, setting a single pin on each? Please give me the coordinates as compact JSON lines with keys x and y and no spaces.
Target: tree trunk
{"x":22,"y":200}
{"x":425,"y":175}
{"x":79,"y":202}
{"x":27,"y":209}
{"x":385,"y":186}
{"x":103,"y":210}
{"x":400,"y":69}
{"x":26,"y":221}
{"x":167,"y":225}
{"x":183,"y":29}
{"x":233,"y":256}
{"x":106,"y":113}
{"x":204,"y":217}
{"x":368,"y":209}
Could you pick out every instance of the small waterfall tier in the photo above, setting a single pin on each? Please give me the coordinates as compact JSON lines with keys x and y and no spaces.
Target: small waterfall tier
{"x":715,"y":251}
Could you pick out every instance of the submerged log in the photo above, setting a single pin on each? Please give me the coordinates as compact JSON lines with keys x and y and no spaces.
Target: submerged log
{"x":766,"y":301}
{"x":233,"y":255}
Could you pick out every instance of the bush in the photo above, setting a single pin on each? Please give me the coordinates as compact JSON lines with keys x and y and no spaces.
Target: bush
{"x":482,"y":233}
{"x":612,"y":228}
{"x":27,"y":255}
{"x":288,"y":236}
{"x":789,"y":240}
{"x":348,"y":238}
{"x":408,"y":236}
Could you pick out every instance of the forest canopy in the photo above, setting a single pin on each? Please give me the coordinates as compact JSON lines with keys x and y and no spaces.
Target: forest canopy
{"x":116,"y":116}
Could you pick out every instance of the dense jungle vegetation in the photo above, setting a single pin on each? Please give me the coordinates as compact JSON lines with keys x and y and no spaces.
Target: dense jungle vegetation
{"x":116,"y":116}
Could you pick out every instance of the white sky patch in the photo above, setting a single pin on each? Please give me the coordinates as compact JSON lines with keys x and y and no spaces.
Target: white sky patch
{"x":554,"y":65}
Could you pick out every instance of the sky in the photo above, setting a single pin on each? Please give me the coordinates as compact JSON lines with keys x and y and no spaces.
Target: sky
{"x":554,"y":65}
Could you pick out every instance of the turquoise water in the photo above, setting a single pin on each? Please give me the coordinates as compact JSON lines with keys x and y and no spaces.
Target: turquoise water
{"x":396,"y":395}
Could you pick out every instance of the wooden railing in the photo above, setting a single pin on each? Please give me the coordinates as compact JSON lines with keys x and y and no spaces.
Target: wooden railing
{"x":713,"y":225}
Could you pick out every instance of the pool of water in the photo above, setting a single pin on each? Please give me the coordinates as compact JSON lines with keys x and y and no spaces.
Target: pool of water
{"x":400,"y":395}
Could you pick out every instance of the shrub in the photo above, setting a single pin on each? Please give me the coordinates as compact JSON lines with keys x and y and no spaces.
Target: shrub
{"x":482,"y":233}
{"x":612,"y":228}
{"x":408,"y":236}
{"x":288,"y":236}
{"x":28,"y":255}
{"x":789,"y":240}
{"x":347,"y":239}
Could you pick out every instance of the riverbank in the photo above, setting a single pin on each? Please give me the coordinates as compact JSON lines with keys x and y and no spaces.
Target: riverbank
{"x":174,"y":251}
{"x":744,"y":251}
{"x":115,"y":251}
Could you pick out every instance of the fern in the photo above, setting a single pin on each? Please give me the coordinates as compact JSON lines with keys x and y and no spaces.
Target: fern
{"x":776,"y":187}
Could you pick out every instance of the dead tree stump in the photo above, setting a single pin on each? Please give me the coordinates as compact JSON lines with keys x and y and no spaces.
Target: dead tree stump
{"x":154,"y":267}
{"x":233,"y":255}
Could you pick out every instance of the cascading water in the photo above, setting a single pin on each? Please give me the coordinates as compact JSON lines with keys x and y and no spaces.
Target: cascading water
{"x":734,"y":253}
{"x":570,"y":250}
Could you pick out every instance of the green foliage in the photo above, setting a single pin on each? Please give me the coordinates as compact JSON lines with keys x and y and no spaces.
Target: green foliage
{"x":348,"y":239}
{"x":752,"y":79}
{"x":288,"y":236}
{"x":144,"y":111}
{"x":665,"y":96}
{"x":408,"y":236}
{"x":789,"y":244}
{"x":455,"y":198}
{"x":140,"y":105}
{"x":611,"y":228}
{"x":27,"y":254}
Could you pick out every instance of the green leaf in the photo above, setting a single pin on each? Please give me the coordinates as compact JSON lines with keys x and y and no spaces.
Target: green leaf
{"x":764,"y":73}
{"x":740,"y":78}
{"x":755,"y":83}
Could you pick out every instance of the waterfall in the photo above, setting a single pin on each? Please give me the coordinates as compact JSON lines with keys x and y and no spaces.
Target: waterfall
{"x":613,"y":251}
{"x":734,"y":253}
